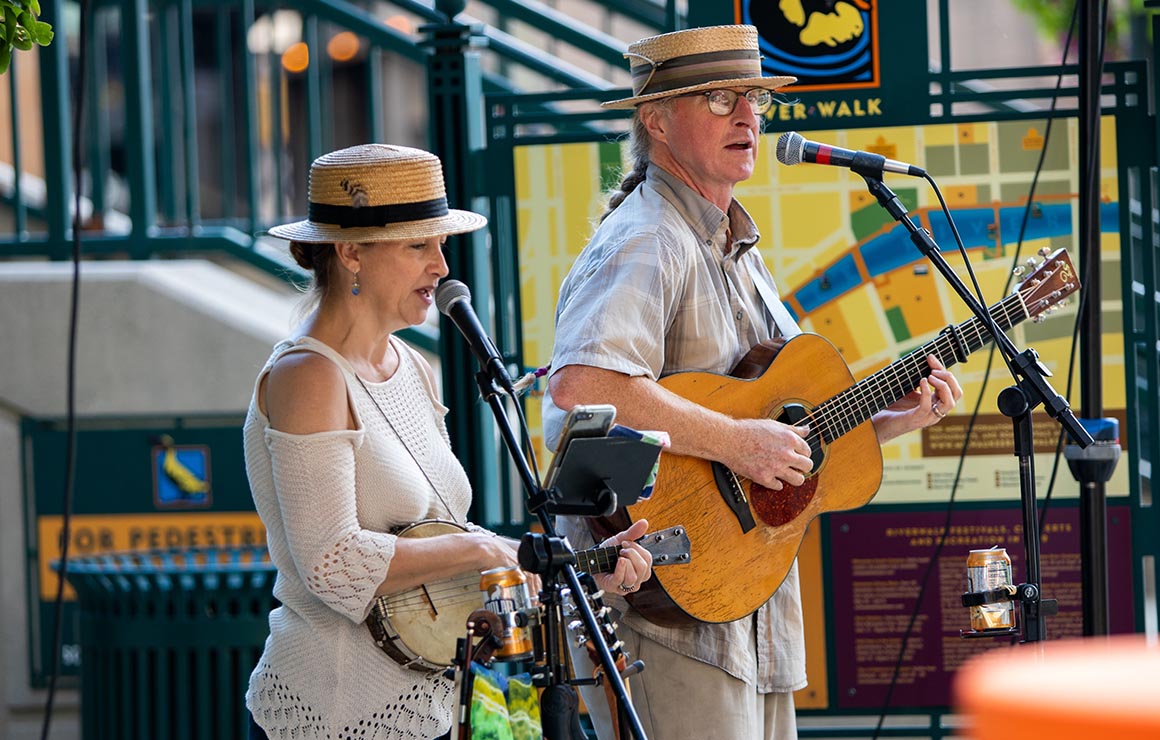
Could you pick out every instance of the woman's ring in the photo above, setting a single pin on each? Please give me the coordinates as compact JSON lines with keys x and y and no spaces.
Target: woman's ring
{"x":937,"y":411}
{"x":625,"y":588}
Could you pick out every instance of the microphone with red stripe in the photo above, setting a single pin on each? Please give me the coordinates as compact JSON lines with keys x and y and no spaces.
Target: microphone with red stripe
{"x":793,"y":148}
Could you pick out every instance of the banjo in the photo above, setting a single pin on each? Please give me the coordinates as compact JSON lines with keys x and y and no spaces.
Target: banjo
{"x":418,"y":627}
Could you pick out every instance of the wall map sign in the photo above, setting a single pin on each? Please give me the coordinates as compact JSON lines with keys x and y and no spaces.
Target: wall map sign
{"x":878,"y":563}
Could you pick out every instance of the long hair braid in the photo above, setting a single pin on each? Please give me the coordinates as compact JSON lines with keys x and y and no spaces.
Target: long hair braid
{"x":638,"y":145}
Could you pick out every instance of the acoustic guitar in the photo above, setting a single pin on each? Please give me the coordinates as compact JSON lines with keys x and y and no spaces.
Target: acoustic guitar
{"x":418,"y":627}
{"x":745,"y":536}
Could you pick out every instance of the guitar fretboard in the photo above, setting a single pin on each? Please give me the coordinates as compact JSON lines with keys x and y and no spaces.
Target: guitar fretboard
{"x":858,"y":403}
{"x":598,"y":559}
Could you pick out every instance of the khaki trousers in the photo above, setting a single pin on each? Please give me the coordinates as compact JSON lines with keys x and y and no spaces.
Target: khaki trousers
{"x":677,"y":697}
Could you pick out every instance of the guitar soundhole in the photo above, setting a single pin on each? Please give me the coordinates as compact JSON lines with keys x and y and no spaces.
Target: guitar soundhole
{"x":776,"y":508}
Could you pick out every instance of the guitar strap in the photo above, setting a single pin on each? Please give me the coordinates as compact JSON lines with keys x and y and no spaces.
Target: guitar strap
{"x":783,"y":324}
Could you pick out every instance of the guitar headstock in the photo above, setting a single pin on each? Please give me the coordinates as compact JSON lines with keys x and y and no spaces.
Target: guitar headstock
{"x":667,"y":546}
{"x":604,"y":621}
{"x":1048,"y":284}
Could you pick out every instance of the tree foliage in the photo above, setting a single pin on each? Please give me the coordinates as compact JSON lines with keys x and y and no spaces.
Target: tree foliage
{"x":1054,"y":16}
{"x":20,"y":29}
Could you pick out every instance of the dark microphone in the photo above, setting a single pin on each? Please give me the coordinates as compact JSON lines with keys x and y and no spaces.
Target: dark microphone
{"x":793,"y":148}
{"x":454,"y":301}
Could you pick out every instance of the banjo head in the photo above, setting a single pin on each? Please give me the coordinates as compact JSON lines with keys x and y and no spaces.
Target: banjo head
{"x":418,"y":627}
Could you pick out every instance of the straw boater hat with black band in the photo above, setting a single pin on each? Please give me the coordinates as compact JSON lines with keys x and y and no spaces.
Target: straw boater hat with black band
{"x":692,"y":60}
{"x":377,"y":192}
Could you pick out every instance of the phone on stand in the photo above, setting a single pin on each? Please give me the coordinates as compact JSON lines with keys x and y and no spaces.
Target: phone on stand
{"x":593,"y":420}
{"x":587,"y":421}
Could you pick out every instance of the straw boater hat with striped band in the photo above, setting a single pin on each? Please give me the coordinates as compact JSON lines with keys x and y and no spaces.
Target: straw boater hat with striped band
{"x":377,"y":192}
{"x":693,"y":60}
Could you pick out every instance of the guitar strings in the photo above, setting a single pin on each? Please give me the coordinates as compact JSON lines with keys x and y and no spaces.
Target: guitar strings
{"x":835,"y":414}
{"x":823,"y":419}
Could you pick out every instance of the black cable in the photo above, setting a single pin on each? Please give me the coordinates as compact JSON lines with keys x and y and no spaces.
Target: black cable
{"x":937,"y":552}
{"x":70,"y":380}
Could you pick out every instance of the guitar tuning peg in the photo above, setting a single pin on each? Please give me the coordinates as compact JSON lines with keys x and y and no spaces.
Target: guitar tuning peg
{"x":1018,"y":270}
{"x":1043,"y":252}
{"x":575,"y":625}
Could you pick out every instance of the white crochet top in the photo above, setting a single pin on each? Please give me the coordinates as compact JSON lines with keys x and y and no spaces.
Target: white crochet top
{"x":327,"y":500}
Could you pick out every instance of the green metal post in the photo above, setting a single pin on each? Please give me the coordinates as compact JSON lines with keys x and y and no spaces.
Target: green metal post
{"x":227,"y":145}
{"x":672,"y":16}
{"x":189,"y":115}
{"x":326,"y":105}
{"x":141,"y":165}
{"x":21,"y":213}
{"x":374,"y":92}
{"x":250,"y":148}
{"x":54,"y":95}
{"x":455,"y":95}
{"x":169,"y":78}
{"x":277,"y":143}
{"x":313,"y":88}
{"x":97,"y":114}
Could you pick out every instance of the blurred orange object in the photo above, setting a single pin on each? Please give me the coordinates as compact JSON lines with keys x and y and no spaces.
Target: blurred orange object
{"x":1087,"y":688}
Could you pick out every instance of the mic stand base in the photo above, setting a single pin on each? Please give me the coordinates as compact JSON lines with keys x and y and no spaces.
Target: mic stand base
{"x":560,"y":713}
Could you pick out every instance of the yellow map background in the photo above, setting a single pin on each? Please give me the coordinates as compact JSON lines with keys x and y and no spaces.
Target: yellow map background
{"x":815,"y":218}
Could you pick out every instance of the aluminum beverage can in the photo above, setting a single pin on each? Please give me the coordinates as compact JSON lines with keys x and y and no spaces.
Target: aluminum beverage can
{"x":505,"y":592}
{"x":988,"y":570}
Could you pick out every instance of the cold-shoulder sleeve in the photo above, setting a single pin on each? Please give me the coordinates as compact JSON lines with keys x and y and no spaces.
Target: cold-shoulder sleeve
{"x":339,"y":561}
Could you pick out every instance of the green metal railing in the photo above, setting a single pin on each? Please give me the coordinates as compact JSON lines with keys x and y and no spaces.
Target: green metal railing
{"x":192,"y":113}
{"x":190,"y":110}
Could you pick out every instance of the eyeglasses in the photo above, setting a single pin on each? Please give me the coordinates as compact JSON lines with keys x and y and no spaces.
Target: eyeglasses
{"x":723,"y":101}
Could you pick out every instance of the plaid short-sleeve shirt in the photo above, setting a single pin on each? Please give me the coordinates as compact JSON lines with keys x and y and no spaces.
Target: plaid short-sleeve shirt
{"x":657,"y":292}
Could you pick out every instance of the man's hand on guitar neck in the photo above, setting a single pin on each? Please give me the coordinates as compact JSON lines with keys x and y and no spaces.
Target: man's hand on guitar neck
{"x":634,"y":564}
{"x":925,"y":406}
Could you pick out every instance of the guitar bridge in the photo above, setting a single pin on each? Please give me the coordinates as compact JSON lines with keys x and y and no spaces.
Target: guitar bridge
{"x":733,"y":495}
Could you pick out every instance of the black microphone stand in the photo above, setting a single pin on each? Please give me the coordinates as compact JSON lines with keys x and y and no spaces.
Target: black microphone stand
{"x":1016,"y":402}
{"x":554,"y":702}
